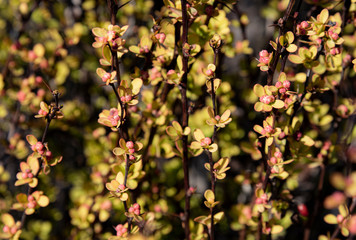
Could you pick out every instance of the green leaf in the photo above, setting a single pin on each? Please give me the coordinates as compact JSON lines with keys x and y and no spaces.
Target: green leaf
{"x":331,"y":219}
{"x":308,"y":141}
{"x":198,"y":134}
{"x":259,"y":106}
{"x":323,"y":16}
{"x":171,"y":131}
{"x":209,"y":195}
{"x":43,"y":201}
{"x":213,"y":147}
{"x":295,"y":59}
{"x":326,"y":120}
{"x":32,"y":140}
{"x":99,"y":32}
{"x":259,"y":90}
{"x":177,"y":127}
{"x":218,"y":217}
{"x":7,"y":219}
{"x":276,"y":229}
{"x":278,"y":104}
{"x":118,"y":151}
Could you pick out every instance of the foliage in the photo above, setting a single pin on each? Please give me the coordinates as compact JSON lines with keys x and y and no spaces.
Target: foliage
{"x":157,"y":120}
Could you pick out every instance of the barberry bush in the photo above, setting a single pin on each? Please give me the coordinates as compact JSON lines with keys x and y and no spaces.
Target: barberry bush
{"x":178,"y":119}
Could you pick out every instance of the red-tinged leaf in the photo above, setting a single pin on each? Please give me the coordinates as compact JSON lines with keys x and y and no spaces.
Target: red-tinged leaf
{"x":278,"y":104}
{"x":259,"y":106}
{"x":99,"y":32}
{"x":259,"y":90}
{"x":295,"y":59}
{"x":118,"y":151}
{"x":32,"y":140}
{"x":100,"y":72}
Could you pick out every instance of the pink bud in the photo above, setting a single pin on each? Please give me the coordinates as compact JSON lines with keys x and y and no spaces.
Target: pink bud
{"x":30,"y":175}
{"x":273,"y":170}
{"x":13,"y":230}
{"x":131,"y":210}
{"x":128,"y":98}
{"x":273,"y":160}
{"x":278,"y":84}
{"x":334,"y":36}
{"x":282,"y":90}
{"x":217,"y":118}
{"x":130,"y":144}
{"x":32,"y":55}
{"x":121,"y":187}
{"x":278,"y":154}
{"x":352,"y":225}
{"x":31,"y":204}
{"x":286,"y":84}
{"x":39,"y":146}
{"x":106,"y":77}
{"x":206,"y":141}
{"x":258,"y":201}
{"x":282,"y":135}
{"x":264,"y":60}
{"x":30,"y":198}
{"x":268,"y":129}
{"x":171,"y":72}
{"x":304,"y":24}
{"x":136,"y":206}
{"x":6,"y":229}
{"x":132,"y":157}
{"x":339,"y":218}
{"x":131,"y":150}
{"x":264,"y":53}
{"x":209,"y":72}
{"x":24,"y":175}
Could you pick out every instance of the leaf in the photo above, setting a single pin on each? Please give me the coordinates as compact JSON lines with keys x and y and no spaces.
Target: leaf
{"x":134,"y":49}
{"x":258,"y":129}
{"x":259,"y":106}
{"x":7,"y":219}
{"x":136,"y":85}
{"x":43,"y":201}
{"x":323,"y":16}
{"x":276,"y":229}
{"x":218,"y":217}
{"x":225,"y":115}
{"x":326,"y":120}
{"x":278,"y":104}
{"x":308,"y":141}
{"x":118,"y":151}
{"x":210,"y":112}
{"x":100,"y":72}
{"x":295,"y":59}
{"x":202,"y":219}
{"x":259,"y":90}
{"x":213,"y":147}
{"x":180,"y":63}
{"x":292,"y":48}
{"x":32,"y":140}
{"x":171,"y":131}
{"x":99,"y":32}
{"x":343,"y":210}
{"x":331,"y":219}
{"x":195,"y":145}
{"x":209,"y":195}
{"x":33,"y":164}
{"x":177,"y":127}
{"x":198,"y":134}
